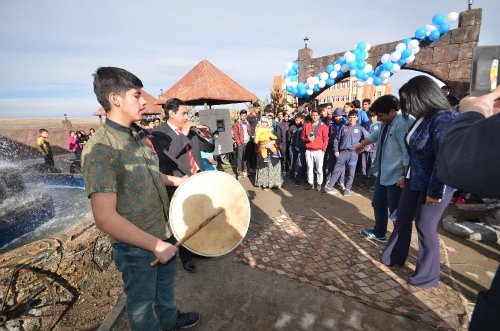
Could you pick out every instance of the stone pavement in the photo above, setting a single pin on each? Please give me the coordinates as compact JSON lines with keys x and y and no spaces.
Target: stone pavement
{"x":330,"y":255}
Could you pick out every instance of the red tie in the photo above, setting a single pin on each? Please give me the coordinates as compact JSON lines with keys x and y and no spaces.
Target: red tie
{"x":192,"y":162}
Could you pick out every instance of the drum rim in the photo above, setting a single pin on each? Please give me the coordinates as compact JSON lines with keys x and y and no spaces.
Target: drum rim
{"x":170,"y":216}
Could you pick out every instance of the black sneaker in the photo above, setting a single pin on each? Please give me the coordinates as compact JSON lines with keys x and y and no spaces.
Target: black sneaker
{"x":318,"y":188}
{"x":186,"y":320}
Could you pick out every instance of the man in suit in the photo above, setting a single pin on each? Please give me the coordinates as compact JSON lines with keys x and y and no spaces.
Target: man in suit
{"x":178,"y":143}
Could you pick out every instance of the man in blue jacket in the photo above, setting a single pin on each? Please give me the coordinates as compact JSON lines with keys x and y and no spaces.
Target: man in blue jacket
{"x":391,"y":162}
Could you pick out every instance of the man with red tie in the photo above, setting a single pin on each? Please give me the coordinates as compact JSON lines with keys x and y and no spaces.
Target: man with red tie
{"x":178,"y":144}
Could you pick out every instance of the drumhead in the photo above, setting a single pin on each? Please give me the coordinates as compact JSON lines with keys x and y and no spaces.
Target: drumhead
{"x":197,"y":199}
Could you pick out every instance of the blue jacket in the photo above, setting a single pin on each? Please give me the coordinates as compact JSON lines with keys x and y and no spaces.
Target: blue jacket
{"x":348,"y":137}
{"x":423,"y":147}
{"x":394,"y":154}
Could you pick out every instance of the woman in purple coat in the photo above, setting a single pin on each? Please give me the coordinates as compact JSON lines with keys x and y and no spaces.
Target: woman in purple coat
{"x":424,"y":197}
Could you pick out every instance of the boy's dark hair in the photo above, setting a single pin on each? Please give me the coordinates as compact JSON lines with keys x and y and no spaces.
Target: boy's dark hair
{"x":243,"y":111}
{"x":173,"y":105}
{"x":308,"y":118}
{"x":384,"y":104}
{"x":299,"y":115}
{"x":350,"y":104}
{"x":315,"y":111}
{"x":111,"y":79}
{"x":370,"y":114}
{"x":268,"y":109}
{"x":197,"y":114}
{"x":322,"y":106}
{"x":423,"y":97}
{"x":356,"y":104}
{"x":367,"y":100}
{"x":353,"y":113}
{"x":256,"y":104}
{"x":144,"y":122}
{"x":40,"y":131}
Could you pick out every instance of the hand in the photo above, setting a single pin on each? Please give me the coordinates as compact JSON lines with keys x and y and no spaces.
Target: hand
{"x":311,"y":138}
{"x":337,"y":154}
{"x":401,"y":182}
{"x":164,"y":251}
{"x":429,"y":201}
{"x":269,"y":145}
{"x":186,"y":127}
{"x":358,"y":148}
{"x":488,"y":104}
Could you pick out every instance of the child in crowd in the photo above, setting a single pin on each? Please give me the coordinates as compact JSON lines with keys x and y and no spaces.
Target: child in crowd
{"x":265,"y":139}
{"x":344,"y":143}
{"x":339,"y":121}
{"x":72,"y":144}
{"x":209,"y":163}
{"x":368,"y":156}
{"x":43,"y":146}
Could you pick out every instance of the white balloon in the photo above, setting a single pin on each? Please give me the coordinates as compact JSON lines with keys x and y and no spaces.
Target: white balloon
{"x":324,"y":76}
{"x":395,"y":68}
{"x":315,"y":79}
{"x":410,"y":58}
{"x":367,"y":55}
{"x":395,"y":56}
{"x":413,"y":44}
{"x":310,"y":80}
{"x":385,"y":74}
{"x":289,"y":65}
{"x":369,"y":81}
{"x":311,"y":86}
{"x":385,"y":58}
{"x":452,"y":17}
{"x":359,"y":83}
{"x":333,"y":74}
{"x":368,"y":47}
{"x":368,"y":68}
{"x":322,"y":83}
{"x":429,"y":28}
{"x":336,"y":67}
{"x":294,"y":84}
{"x":288,"y":81}
{"x":353,"y":72}
{"x":416,"y":50}
{"x":345,"y":67}
{"x":385,"y":81}
{"x":349,"y":57}
{"x":400,"y":47}
{"x":310,"y":92}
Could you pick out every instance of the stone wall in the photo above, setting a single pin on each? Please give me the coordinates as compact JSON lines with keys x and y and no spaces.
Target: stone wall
{"x":449,"y":58}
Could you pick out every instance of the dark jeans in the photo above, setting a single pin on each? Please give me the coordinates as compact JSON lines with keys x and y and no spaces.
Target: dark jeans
{"x":301,"y":166}
{"x":241,"y":157}
{"x":384,"y":202}
{"x":366,"y":164}
{"x":285,"y":158}
{"x":149,"y":290}
{"x":49,"y":159}
{"x":251,"y":154}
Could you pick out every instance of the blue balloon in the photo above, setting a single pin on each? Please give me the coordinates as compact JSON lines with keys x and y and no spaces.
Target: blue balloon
{"x":295,"y":91}
{"x":329,"y":68}
{"x":438,"y":19}
{"x":339,"y":75}
{"x":294,"y":78}
{"x":434,"y":35}
{"x":361,"y":65}
{"x":401,"y":62}
{"x":295,"y":67}
{"x":407,"y":41}
{"x":330,"y":82}
{"x":361,"y":46}
{"x":359,"y":74}
{"x":301,"y":86}
{"x":407,"y":52}
{"x":353,"y":65}
{"x":388,"y":65}
{"x":361,"y":56}
{"x":377,"y":81}
{"x":443,"y":28}
{"x":289,"y":89}
{"x":341,"y":60}
{"x":421,"y":33}
{"x":356,"y":52}
{"x":316,"y":88}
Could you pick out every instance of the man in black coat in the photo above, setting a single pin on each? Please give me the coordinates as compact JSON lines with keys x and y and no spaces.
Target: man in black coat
{"x":178,"y":143}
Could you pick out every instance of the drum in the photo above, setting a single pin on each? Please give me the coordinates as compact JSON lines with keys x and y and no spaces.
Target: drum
{"x":197,"y":199}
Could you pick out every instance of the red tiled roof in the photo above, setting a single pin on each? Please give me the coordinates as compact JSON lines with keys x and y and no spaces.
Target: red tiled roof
{"x":207,"y":84}
{"x":152,"y":108}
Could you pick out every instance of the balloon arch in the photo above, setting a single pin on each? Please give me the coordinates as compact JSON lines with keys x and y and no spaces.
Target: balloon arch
{"x":353,"y":63}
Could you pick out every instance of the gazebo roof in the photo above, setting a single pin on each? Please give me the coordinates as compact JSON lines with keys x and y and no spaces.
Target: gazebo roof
{"x":207,"y":84}
{"x":152,"y":108}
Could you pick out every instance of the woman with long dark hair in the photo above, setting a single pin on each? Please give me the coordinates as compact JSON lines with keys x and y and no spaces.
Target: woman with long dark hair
{"x":424,"y":197}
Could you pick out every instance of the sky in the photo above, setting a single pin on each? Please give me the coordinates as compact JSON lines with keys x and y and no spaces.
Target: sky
{"x":49,"y":49}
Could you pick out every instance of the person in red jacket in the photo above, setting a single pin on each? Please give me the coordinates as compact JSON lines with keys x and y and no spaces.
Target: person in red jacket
{"x":242,"y":134}
{"x":315,"y":138}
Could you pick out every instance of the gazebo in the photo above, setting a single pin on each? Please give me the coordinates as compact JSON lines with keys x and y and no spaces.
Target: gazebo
{"x":152,"y":108}
{"x":207,"y":85}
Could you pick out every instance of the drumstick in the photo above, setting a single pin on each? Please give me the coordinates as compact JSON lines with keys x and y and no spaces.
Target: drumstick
{"x":218,"y":211}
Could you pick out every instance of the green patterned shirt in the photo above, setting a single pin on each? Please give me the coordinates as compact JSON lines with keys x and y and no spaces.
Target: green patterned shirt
{"x":116,"y":160}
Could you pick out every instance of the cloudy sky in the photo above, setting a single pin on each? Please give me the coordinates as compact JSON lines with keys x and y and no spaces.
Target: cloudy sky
{"x":49,"y":49}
